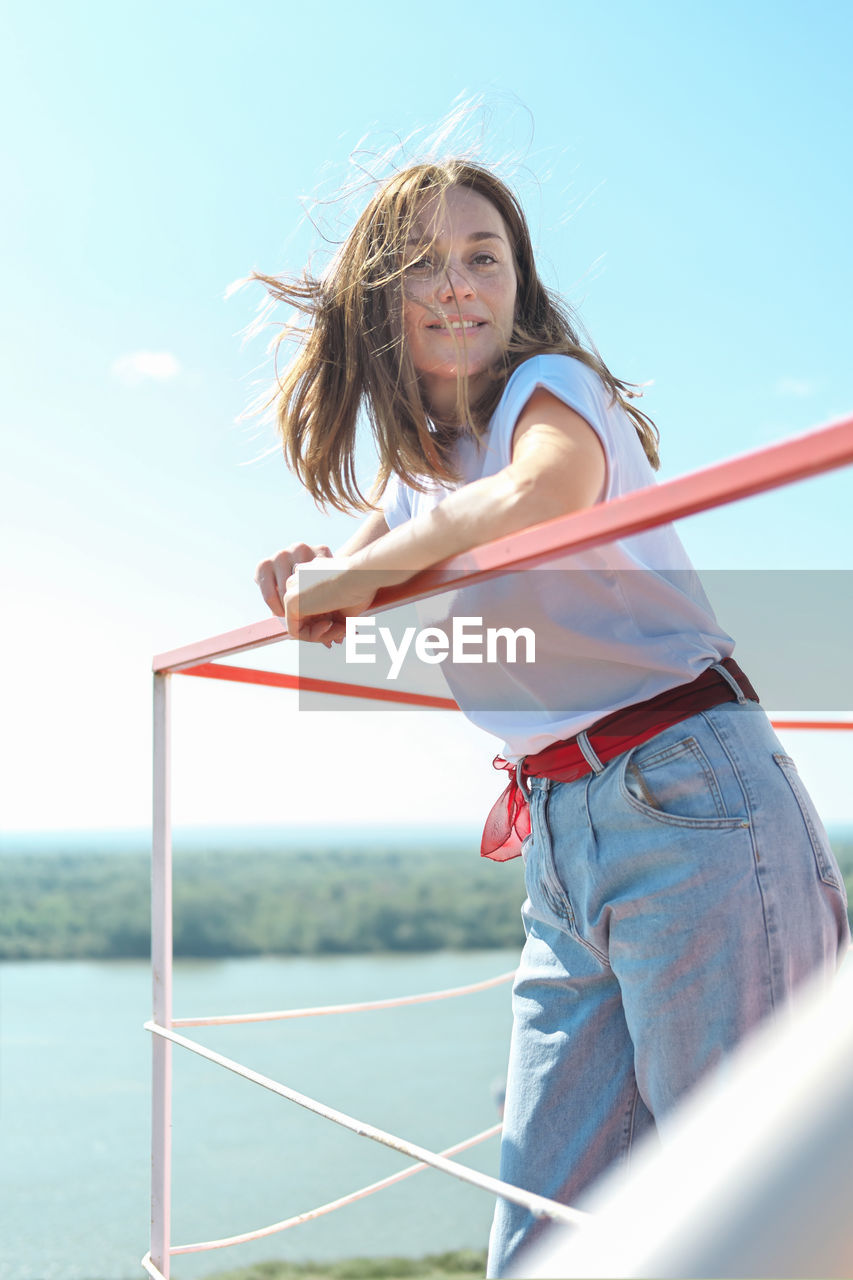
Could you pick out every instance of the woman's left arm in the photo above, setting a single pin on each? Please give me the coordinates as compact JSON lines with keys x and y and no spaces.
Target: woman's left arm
{"x":558,"y":466}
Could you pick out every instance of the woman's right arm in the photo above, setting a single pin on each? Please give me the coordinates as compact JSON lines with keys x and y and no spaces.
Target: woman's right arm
{"x":271,"y":575}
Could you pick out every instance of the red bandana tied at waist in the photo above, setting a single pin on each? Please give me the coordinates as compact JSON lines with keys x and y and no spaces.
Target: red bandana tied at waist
{"x":508,"y":822}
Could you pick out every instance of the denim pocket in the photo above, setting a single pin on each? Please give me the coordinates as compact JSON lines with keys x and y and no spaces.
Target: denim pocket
{"x":827,"y":868}
{"x":676,"y":784}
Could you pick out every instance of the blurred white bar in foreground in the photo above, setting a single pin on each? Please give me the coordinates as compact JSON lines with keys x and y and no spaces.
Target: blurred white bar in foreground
{"x":753,"y":1178}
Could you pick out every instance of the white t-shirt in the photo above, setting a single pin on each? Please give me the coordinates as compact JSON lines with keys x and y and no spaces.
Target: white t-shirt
{"x":612,"y":626}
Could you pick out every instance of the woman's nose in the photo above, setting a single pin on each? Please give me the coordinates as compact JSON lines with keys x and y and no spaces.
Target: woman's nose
{"x":455,"y":284}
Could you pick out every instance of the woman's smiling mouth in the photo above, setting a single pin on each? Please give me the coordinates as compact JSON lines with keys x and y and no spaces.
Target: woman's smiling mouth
{"x":458,"y":326}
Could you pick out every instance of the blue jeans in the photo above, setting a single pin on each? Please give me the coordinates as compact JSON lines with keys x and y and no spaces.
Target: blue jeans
{"x":676,"y":897}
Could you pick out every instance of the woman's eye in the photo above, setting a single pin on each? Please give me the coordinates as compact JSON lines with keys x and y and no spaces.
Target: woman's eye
{"x":419,"y":265}
{"x":484,"y":259}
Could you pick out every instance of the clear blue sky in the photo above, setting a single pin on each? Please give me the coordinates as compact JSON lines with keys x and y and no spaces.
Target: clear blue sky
{"x":686,"y":171}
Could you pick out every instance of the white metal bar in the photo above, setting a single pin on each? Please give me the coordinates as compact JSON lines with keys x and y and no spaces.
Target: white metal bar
{"x":318,"y":1011}
{"x":539,"y":1206}
{"x":332,"y":1205}
{"x":154,"y":1272}
{"x":161,"y":965}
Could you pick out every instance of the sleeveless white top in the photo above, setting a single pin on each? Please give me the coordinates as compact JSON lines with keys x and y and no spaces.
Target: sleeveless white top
{"x":613,"y":626}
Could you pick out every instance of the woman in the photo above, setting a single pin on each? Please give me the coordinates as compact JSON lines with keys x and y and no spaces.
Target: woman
{"x":680,"y":884}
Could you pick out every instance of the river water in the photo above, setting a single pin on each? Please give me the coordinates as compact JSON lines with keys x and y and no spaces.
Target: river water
{"x":75,"y":1099}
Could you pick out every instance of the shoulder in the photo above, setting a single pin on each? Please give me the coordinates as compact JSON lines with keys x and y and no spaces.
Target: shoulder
{"x":578,"y":386}
{"x":551,"y":371}
{"x":568,"y":379}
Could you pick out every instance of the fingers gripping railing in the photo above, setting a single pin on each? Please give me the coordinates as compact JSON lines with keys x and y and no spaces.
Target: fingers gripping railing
{"x":819,"y":451}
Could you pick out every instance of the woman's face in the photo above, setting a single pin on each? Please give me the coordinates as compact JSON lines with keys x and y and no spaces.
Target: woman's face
{"x":459,"y":289}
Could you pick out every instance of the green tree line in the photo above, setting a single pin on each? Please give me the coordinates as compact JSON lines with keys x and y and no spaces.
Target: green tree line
{"x":96,"y":906}
{"x":460,"y":1264}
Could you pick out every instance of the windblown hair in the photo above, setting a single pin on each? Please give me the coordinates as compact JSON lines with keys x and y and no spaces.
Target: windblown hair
{"x":354,"y":355}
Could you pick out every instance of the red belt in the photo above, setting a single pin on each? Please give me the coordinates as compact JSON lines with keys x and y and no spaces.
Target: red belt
{"x":509,"y":820}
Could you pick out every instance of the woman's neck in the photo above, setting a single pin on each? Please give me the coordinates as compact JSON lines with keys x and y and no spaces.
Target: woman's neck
{"x":441,"y":399}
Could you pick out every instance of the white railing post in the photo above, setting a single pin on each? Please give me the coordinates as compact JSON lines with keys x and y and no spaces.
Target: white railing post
{"x":161,"y":965}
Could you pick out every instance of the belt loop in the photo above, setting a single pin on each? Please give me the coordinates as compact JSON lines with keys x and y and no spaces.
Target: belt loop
{"x":729,"y":679}
{"x":525,"y":791}
{"x":588,"y":753}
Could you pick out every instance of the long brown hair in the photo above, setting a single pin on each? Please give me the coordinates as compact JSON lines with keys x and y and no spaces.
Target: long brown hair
{"x":354,"y":356}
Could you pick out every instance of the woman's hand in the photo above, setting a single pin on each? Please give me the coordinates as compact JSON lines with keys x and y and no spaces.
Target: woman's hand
{"x":313,"y":610}
{"x":272,"y":576}
{"x":316,"y":606}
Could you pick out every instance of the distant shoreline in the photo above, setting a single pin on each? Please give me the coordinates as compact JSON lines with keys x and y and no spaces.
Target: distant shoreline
{"x":246,"y":897}
{"x":234,"y":900}
{"x":293,"y":837}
